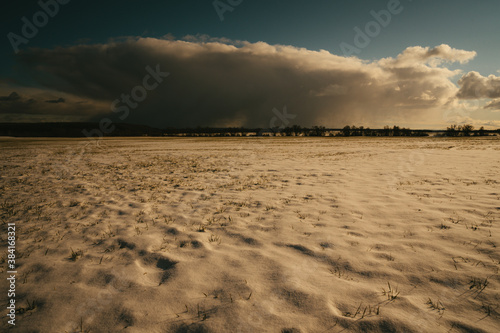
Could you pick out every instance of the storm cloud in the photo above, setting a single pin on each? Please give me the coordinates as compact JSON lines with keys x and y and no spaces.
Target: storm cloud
{"x":219,"y":83}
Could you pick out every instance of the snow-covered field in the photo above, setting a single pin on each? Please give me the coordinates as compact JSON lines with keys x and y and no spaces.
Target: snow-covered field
{"x":253,"y":234}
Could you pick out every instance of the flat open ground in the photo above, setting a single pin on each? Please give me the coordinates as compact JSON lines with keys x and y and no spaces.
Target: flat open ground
{"x":253,"y":234}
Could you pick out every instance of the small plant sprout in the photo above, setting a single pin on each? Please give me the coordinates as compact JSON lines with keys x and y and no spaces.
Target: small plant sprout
{"x":220,"y":210}
{"x":364,"y":311}
{"x":300,"y":215}
{"x":168,"y":219}
{"x":455,"y":220}
{"x":31,"y":305}
{"x":488,"y":309}
{"x":391,"y":293}
{"x":478,"y":284}
{"x":488,"y":220}
{"x":81,"y":327}
{"x":340,"y":273}
{"x":436,"y":306}
{"x":214,"y":239}
{"x":74,"y":255}
{"x":473,"y":226}
{"x":444,"y":226}
{"x":138,"y":231}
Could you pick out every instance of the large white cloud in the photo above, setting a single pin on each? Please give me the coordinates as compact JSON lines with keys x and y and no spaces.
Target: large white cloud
{"x":219,"y":83}
{"x":474,"y":86}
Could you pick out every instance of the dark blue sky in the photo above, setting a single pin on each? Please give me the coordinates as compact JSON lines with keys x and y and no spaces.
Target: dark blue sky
{"x":313,"y":25}
{"x":463,"y":24}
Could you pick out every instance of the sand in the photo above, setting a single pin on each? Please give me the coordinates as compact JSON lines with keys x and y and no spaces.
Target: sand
{"x":253,"y":234}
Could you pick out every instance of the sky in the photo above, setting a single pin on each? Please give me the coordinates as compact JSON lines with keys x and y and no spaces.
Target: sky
{"x":415,"y":63}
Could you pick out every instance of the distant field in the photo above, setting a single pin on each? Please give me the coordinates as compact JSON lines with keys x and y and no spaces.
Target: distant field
{"x":253,"y":234}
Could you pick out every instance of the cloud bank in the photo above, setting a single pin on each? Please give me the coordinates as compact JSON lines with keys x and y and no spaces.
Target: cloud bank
{"x":213,"y":82}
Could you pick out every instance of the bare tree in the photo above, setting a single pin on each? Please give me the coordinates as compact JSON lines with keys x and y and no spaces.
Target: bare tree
{"x":467,"y":129}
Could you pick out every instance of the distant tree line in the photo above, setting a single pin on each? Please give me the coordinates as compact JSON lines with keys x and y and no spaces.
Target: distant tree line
{"x":386,"y":131}
{"x":297,"y":130}
{"x":347,"y":131}
{"x":353,"y":131}
{"x":121,"y":129}
{"x":467,"y":130}
{"x":74,"y":130}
